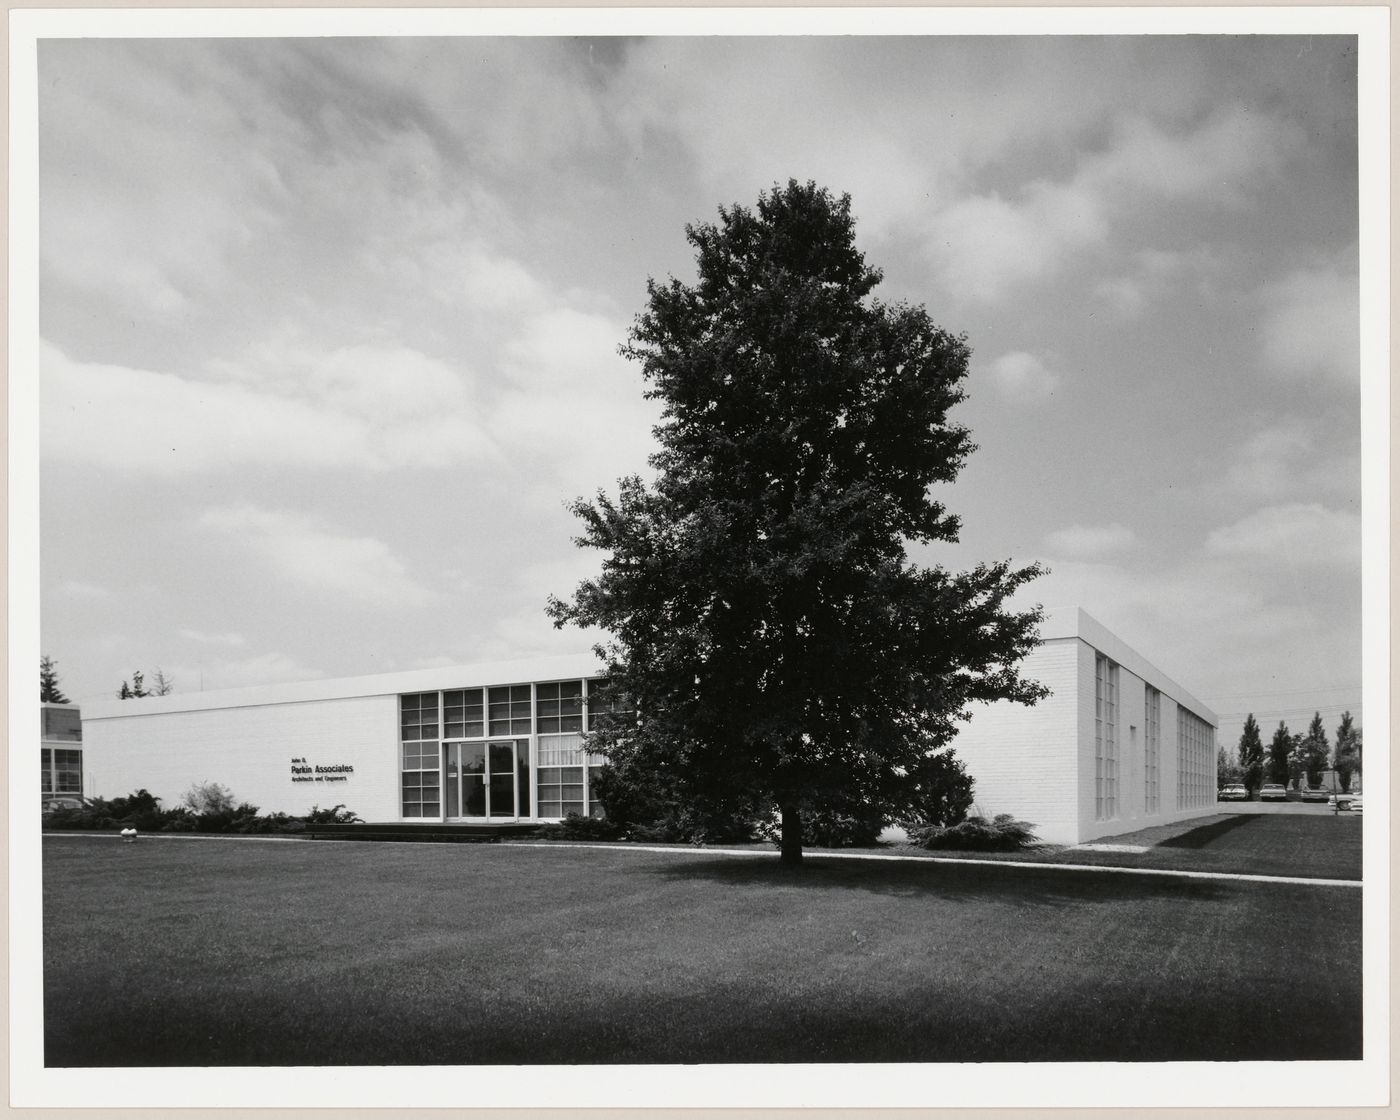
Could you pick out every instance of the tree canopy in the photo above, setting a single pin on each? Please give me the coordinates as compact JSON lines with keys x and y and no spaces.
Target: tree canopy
{"x":768,"y":629}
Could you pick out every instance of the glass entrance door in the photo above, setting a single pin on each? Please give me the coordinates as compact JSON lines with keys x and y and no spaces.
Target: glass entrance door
{"x":482,"y":780}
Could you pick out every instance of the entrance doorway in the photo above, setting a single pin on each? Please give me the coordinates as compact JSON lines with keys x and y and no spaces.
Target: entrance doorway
{"x":487,"y":781}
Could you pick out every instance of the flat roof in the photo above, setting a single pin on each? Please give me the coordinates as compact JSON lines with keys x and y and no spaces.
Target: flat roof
{"x":1060,"y":623}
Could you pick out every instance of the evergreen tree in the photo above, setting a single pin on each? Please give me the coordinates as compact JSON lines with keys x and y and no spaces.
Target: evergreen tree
{"x":134,"y":690}
{"x":1251,"y":753}
{"x":1313,"y":751}
{"x":162,"y":685}
{"x":771,"y":636}
{"x":1280,"y":755}
{"x":1346,"y":756}
{"x":49,"y":692}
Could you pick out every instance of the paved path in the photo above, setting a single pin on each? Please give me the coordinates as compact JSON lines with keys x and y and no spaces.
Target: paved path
{"x":963,"y":860}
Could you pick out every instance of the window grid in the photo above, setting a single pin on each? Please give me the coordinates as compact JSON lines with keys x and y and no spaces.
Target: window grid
{"x":418,"y":716}
{"x":1195,"y":754}
{"x":559,"y":707}
{"x":565,"y":773}
{"x":463,"y":714}
{"x":1152,"y":748}
{"x":421,"y":758}
{"x":509,"y":710}
{"x":1105,"y":738}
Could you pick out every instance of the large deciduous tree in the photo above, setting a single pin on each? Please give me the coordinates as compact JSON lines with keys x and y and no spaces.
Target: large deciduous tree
{"x":1251,"y":752}
{"x":49,"y":692}
{"x":769,"y":630}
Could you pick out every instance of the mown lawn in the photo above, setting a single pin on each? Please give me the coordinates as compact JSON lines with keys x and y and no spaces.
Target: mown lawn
{"x":1303,"y":845}
{"x":237,"y":952}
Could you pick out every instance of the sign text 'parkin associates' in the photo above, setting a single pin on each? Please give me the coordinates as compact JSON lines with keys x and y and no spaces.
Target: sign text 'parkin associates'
{"x":303,"y":771}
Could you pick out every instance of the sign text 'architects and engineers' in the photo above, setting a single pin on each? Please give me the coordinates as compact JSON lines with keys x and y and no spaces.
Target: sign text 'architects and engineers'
{"x":303,"y":771}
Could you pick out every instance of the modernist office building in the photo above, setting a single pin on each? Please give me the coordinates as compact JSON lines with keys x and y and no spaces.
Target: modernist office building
{"x":1117,"y":745}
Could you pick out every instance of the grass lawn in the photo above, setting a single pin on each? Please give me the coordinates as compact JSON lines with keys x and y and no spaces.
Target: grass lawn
{"x":1310,"y":846}
{"x":236,"y":952}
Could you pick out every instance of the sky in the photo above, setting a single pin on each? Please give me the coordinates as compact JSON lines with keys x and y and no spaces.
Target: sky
{"x":330,"y":327}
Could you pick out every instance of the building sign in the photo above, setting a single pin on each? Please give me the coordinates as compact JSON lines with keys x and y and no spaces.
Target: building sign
{"x":304,"y":771}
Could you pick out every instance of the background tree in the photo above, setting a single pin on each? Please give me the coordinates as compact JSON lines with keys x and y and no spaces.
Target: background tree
{"x":1313,"y":751}
{"x":768,"y":627}
{"x":1346,"y":755}
{"x":134,"y":690}
{"x":1227,"y":772}
{"x":49,"y":692}
{"x":1280,"y":754}
{"x":1251,"y":754}
{"x":162,"y":685}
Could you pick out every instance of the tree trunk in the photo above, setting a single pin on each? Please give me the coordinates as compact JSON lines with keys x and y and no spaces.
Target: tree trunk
{"x":792,"y":836}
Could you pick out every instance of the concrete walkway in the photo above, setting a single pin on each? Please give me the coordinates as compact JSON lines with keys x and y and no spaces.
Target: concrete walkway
{"x":886,"y":857}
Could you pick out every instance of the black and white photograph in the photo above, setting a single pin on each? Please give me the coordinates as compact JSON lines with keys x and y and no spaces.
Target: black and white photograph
{"x":796,"y":557}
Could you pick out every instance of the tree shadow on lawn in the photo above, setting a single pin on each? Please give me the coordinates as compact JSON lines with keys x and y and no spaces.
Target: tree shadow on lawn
{"x":1207,"y":834}
{"x":1022,"y":884}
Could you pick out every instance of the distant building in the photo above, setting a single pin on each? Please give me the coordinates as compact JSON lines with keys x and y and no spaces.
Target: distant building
{"x":1116,"y":747}
{"x":60,"y":751}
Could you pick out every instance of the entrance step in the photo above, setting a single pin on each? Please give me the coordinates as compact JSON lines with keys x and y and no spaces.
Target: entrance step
{"x":435,"y":832}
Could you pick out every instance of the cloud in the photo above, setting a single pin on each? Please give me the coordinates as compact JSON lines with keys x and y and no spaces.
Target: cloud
{"x":573,"y":402}
{"x":358,"y":570}
{"x":229,"y":639}
{"x":1298,"y":533}
{"x":264,"y":668}
{"x":375,"y":408}
{"x":1083,"y":542}
{"x":984,"y":244}
{"x":1311,"y":325}
{"x":80,"y":590}
{"x":1023,"y":378}
{"x":1124,"y":294}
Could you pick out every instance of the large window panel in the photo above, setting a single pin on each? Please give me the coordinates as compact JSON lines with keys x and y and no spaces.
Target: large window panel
{"x":463,"y":714}
{"x":559,"y":707}
{"x":509,"y":710}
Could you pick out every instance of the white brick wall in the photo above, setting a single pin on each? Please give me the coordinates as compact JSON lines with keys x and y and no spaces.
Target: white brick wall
{"x":250,"y":750}
{"x":1023,"y":759}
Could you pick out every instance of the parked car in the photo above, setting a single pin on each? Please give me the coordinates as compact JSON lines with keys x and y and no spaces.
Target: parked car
{"x":1318,"y":794}
{"x":1272,"y":791}
{"x":1233,"y":792}
{"x":1345,"y":802}
{"x":1356,"y":804}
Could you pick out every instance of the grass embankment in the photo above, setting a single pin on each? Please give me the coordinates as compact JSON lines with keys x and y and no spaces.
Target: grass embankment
{"x":237,"y":952}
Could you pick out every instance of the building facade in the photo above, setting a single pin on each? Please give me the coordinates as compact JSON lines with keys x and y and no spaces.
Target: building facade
{"x":1116,"y":746}
{"x":60,"y":751}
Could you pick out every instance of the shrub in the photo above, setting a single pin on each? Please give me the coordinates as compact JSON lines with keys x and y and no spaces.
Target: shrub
{"x":942,"y":794}
{"x":653,"y":807}
{"x":209,"y":798}
{"x":843,"y":826}
{"x":577,"y":827}
{"x":1003,"y":833}
{"x":336,"y":814}
{"x":141,"y":810}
